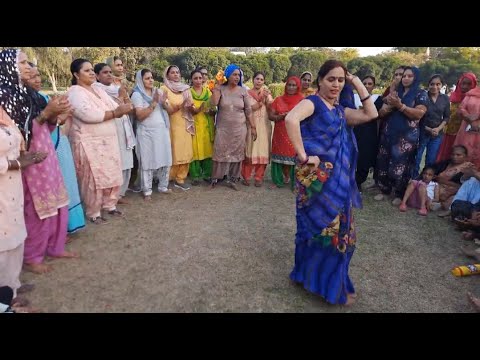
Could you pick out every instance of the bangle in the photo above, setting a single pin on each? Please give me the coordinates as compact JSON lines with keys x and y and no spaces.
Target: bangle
{"x":365,"y":98}
{"x":18,"y":163}
{"x":402,"y":109}
{"x":303,"y":162}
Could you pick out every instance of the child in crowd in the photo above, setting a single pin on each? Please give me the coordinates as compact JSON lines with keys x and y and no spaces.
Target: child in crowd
{"x":422,"y":194}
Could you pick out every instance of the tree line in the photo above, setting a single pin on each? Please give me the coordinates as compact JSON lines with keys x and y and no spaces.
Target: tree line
{"x":277,"y":63}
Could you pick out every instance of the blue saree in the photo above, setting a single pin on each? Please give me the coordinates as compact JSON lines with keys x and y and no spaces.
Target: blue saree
{"x":325,"y":238}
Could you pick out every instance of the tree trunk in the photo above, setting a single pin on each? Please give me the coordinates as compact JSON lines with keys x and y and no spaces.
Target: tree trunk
{"x":53,"y":80}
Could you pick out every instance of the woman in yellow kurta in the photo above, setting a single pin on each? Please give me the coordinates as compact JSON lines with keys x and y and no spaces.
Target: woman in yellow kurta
{"x":201,"y":166}
{"x":179,"y":107}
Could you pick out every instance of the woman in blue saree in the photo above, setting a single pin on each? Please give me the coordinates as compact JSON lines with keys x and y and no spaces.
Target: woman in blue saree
{"x":321,"y":132}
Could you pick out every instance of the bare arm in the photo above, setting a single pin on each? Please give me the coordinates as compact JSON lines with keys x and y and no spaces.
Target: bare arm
{"x":436,"y":194}
{"x":214,"y":100}
{"x":143,"y":113}
{"x":367,"y":112}
{"x":303,"y":110}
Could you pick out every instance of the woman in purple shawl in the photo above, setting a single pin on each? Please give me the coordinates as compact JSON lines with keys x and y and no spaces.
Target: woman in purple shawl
{"x":321,"y":132}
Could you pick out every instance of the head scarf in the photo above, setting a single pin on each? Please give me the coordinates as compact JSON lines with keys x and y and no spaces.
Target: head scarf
{"x":175,"y":86}
{"x":286,"y":102}
{"x":409,"y":98}
{"x":230,"y":69}
{"x":15,"y":98}
{"x":140,"y":88}
{"x":179,"y":87}
{"x":457,"y":96}
{"x":306,"y":72}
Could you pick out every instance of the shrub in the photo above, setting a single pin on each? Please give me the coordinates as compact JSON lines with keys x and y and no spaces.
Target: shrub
{"x":277,"y":89}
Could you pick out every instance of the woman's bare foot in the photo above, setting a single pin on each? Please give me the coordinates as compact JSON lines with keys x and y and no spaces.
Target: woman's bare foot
{"x":122,"y":201}
{"x":37,"y":268}
{"x":25,"y":309}
{"x":20,"y":301}
{"x":147,"y":198}
{"x":351,"y":298}
{"x":474,"y":300}
{"x":273,"y":186}
{"x":66,"y":255}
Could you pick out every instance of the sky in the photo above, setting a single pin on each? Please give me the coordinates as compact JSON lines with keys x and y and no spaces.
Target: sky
{"x":367,"y":51}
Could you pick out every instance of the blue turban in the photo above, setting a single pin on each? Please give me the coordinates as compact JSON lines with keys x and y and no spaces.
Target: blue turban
{"x":230,"y":69}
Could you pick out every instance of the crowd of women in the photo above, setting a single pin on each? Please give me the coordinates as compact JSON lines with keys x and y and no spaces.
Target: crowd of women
{"x":78,"y":153}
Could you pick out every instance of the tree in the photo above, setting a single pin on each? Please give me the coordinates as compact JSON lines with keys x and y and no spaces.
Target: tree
{"x":55,"y":63}
{"x":412,"y":50}
{"x":95,"y":54}
{"x":254,"y":63}
{"x":346,"y":55}
{"x":363,"y":67}
{"x":279,"y":65}
{"x":306,"y":61}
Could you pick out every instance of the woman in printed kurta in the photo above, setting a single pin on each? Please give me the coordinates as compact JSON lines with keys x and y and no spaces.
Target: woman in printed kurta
{"x":283,"y":153}
{"x":321,"y":132}
{"x":202,"y":141}
{"x":234,"y":110}
{"x":399,"y":139}
{"x":94,"y":142}
{"x":179,"y":107}
{"x":466,"y":82}
{"x":257,"y":153}
{"x":125,"y":135}
{"x":154,"y":151}
{"x":76,"y":217}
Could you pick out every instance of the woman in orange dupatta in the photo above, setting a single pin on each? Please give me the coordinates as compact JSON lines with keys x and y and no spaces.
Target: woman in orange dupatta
{"x":257,"y":153}
{"x":283,"y":153}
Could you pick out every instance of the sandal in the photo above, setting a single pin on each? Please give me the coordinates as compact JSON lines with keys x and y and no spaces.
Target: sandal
{"x":98,"y":220}
{"x":258,"y":183}
{"x":246,"y":182}
{"x":116,"y":212}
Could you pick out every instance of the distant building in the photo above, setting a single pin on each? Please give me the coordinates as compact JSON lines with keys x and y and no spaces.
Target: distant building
{"x":239,"y":53}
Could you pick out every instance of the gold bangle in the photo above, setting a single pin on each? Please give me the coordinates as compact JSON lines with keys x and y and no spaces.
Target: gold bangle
{"x":18,"y":163}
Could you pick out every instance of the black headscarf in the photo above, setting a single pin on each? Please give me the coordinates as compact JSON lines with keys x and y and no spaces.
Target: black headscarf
{"x":17,"y":100}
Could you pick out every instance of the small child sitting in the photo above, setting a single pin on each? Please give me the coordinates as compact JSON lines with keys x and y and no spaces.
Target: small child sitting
{"x":422,"y":194}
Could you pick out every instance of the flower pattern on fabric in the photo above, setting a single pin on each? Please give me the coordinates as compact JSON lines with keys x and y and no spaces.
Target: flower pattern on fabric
{"x":338,"y":235}
{"x":309,"y":180}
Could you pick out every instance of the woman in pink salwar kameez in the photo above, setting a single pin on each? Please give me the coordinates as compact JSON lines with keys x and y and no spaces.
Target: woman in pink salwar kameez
{"x":94,"y":142}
